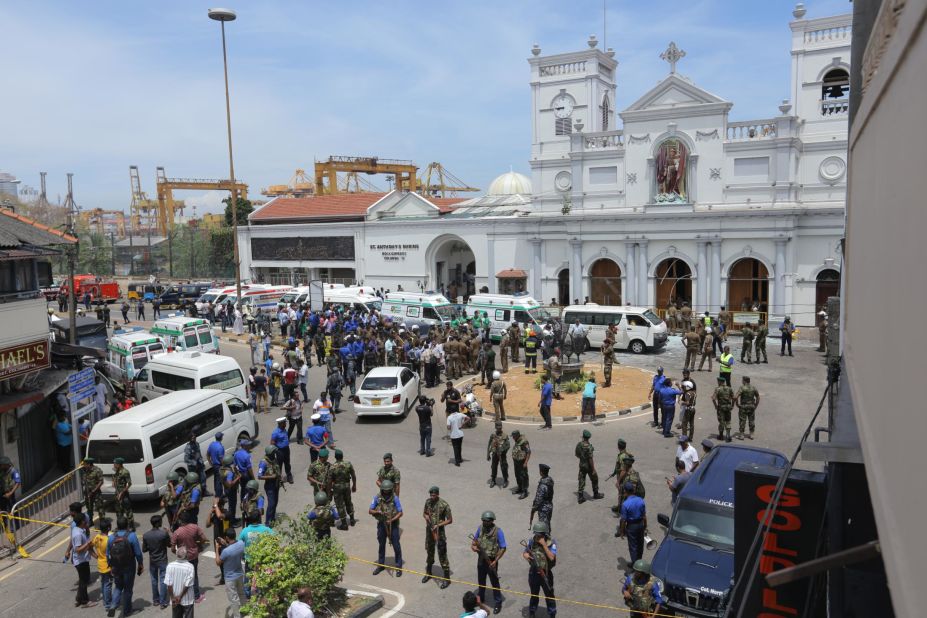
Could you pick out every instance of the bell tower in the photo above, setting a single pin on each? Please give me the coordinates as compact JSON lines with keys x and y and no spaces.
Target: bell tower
{"x":567,"y":90}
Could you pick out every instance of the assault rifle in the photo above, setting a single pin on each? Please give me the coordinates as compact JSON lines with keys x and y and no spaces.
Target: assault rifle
{"x":542,"y":573}
{"x":484,"y":557}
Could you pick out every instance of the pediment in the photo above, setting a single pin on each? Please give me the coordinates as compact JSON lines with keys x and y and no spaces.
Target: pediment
{"x":674,"y":91}
{"x":399,"y":204}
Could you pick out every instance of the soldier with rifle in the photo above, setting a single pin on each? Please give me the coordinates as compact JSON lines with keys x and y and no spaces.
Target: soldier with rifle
{"x":437,"y":515}
{"x":541,"y":553}
{"x":387,"y":510}
{"x":543,"y":498}
{"x":489,"y":542}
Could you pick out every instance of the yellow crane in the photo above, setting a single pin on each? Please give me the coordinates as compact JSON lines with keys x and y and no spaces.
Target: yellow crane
{"x":104,"y":221}
{"x":300,"y":185}
{"x":143,"y":212}
{"x":166,"y":186}
{"x":326,"y":172}
{"x":437,"y":181}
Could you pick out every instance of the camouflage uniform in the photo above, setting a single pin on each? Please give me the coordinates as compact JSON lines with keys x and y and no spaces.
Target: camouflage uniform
{"x":544,"y":499}
{"x":760,"y":342}
{"x":687,"y":405}
{"x":324,"y":520}
{"x":436,"y":512}
{"x":642,"y":601}
{"x":746,"y":407}
{"x":724,"y":398}
{"x":496,"y":450}
{"x":91,"y":478}
{"x":746,"y":349}
{"x":320,"y":471}
{"x":504,"y":345}
{"x":583,"y":452}
{"x":608,"y":357}
{"x":389,"y":475}
{"x":340,"y":474}
{"x":122,"y":480}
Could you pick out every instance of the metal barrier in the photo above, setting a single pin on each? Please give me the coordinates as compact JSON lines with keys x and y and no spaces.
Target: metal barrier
{"x":48,"y":504}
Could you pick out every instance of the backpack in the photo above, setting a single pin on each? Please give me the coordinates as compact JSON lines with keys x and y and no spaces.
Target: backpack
{"x":121,"y":554}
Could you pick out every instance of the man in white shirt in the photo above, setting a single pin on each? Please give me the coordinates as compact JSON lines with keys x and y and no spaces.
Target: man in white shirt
{"x":179,"y":580}
{"x":300,"y":607}
{"x":304,"y":379}
{"x":687,"y":454}
{"x":455,"y":424}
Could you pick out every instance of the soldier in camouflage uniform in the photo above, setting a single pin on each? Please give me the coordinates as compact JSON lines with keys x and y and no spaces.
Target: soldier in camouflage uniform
{"x":629,"y":475}
{"x":583,"y":452}
{"x":251,"y":500}
{"x":544,"y":497}
{"x":760,"y":341}
{"x":514,"y":340}
{"x":504,"y":345}
{"x":122,"y":481}
{"x":620,"y":470}
{"x":188,"y":499}
{"x":319,"y":474}
{"x":746,"y":348}
{"x":91,"y":480}
{"x":170,"y":499}
{"x":642,"y":592}
{"x":496,"y":450}
{"x":389,"y":472}
{"x":541,"y":553}
{"x":608,"y":357}
{"x":521,"y":453}
{"x":323,"y":516}
{"x":746,"y":399}
{"x":230,"y":479}
{"x":437,"y":515}
{"x":344,"y":483}
{"x":723,"y":398}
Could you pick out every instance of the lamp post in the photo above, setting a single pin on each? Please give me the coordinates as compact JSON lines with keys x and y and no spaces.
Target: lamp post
{"x":222,"y":16}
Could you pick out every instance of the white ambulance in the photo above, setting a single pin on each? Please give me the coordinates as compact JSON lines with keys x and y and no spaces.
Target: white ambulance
{"x":425,"y":310}
{"x":503,"y":309}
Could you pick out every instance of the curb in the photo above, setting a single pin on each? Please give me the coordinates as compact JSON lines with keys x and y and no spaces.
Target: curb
{"x":369,"y":609}
{"x":563,"y":420}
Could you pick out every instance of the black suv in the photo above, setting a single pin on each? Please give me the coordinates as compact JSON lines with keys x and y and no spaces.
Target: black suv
{"x":695,"y":561}
{"x":176,"y":294}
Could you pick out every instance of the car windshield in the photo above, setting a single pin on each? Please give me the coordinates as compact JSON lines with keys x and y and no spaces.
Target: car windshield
{"x":653,"y":317}
{"x":104,"y":451}
{"x":446,"y":311}
{"x":373,"y":305}
{"x":539,"y":314}
{"x":286,"y":299}
{"x":379,"y":383}
{"x":208,"y":298}
{"x":705,"y":523}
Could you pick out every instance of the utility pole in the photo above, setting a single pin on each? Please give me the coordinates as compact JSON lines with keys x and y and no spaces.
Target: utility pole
{"x":112,"y":251}
{"x":170,"y":252}
{"x":191,"y":226}
{"x":72,"y":262}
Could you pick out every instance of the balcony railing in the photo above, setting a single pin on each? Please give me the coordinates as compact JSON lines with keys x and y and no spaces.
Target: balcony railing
{"x":603,"y":140}
{"x":751,"y":130}
{"x":833,"y":107}
{"x":837,"y":33}
{"x":566,"y":68}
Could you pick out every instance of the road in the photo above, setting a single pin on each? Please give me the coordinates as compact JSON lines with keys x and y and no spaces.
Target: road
{"x":587,"y":569}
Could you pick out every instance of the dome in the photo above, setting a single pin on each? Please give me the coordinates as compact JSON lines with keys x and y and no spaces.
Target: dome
{"x":510,"y":183}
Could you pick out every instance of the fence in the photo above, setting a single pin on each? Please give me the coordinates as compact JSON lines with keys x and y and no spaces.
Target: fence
{"x":48,"y":504}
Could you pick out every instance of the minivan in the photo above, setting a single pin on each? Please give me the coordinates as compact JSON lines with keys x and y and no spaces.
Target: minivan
{"x":178,"y":294}
{"x":503,"y":309}
{"x":129,"y":350}
{"x":151,"y":437}
{"x":425,"y":310}
{"x":639,"y":328}
{"x":189,"y":334}
{"x":181,"y":371}
{"x":695,"y":560}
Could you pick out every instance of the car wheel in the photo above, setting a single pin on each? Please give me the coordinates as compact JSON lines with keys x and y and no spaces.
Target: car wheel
{"x":144,"y":399}
{"x":637,"y":346}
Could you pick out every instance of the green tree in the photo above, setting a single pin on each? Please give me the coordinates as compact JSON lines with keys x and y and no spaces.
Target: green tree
{"x":292,"y":557}
{"x":245,"y":208}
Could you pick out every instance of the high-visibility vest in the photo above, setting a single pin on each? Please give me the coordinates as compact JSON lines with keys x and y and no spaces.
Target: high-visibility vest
{"x":707,"y":320}
{"x":725,"y":360}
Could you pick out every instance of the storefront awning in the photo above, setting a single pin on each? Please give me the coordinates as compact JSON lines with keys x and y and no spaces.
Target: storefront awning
{"x":512,"y":273}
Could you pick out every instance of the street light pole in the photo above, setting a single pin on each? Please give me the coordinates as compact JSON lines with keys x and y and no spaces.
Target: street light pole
{"x":222,"y":16}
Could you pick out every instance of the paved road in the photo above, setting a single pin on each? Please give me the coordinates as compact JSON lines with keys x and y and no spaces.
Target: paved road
{"x":587,"y":569}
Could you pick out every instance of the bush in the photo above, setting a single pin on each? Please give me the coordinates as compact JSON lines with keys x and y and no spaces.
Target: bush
{"x":291,"y":558}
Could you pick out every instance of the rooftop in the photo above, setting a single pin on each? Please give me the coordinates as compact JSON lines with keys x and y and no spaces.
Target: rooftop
{"x":22,"y":237}
{"x":341,"y":207}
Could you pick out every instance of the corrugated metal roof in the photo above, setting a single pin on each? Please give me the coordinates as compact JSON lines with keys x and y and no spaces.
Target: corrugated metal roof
{"x":17,"y":231}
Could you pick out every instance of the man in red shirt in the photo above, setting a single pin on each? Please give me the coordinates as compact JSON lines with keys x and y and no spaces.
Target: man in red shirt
{"x":289,"y":382}
{"x":193,"y":538}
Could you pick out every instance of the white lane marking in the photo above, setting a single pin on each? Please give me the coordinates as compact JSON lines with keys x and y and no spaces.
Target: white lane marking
{"x":399,"y":605}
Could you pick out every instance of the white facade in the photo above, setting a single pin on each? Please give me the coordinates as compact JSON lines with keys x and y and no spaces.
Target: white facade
{"x":668,"y":205}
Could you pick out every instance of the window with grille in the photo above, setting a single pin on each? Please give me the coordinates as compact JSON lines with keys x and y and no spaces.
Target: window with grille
{"x":605,"y":113}
{"x":562,"y":126}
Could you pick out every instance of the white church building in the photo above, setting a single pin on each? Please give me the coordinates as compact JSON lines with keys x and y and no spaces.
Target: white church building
{"x":667,"y":199}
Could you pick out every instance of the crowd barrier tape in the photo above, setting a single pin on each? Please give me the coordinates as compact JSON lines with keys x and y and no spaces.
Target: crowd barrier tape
{"x":29,"y":518}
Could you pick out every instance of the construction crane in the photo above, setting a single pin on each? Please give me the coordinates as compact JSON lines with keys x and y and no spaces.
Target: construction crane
{"x":404,"y":172}
{"x":167,"y":205}
{"x":143,"y":212}
{"x":299,"y":185}
{"x":352,"y":182}
{"x":104,"y":221}
{"x":439,"y":182}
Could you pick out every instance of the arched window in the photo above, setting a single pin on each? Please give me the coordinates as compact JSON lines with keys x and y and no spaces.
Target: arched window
{"x":835,"y":93}
{"x":606,"y":110}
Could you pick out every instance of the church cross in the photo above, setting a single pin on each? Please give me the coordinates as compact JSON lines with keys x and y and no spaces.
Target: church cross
{"x":672,"y":55}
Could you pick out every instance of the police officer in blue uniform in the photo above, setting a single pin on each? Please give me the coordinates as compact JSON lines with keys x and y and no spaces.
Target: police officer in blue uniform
{"x":633,"y":522}
{"x":280,"y":438}
{"x":214,"y":453}
{"x":243,"y":462}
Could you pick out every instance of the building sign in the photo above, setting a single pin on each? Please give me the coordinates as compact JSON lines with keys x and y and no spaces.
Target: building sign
{"x":24,"y":358}
{"x":790,"y":538}
{"x":302,"y":248}
{"x":394,"y":253}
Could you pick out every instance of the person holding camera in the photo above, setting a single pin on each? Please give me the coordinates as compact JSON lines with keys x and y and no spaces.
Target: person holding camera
{"x":425,"y":411}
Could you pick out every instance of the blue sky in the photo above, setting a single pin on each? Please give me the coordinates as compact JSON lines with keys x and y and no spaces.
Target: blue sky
{"x":94,"y":87}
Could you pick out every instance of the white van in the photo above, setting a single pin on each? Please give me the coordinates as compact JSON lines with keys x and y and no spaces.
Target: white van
{"x":215,"y":296}
{"x":188,"y":334}
{"x":265,"y":299}
{"x":151,"y":437}
{"x":426,"y":310}
{"x":182,"y":371}
{"x":129,"y":350}
{"x":361,"y":299}
{"x":639,"y":328}
{"x":503,"y":309}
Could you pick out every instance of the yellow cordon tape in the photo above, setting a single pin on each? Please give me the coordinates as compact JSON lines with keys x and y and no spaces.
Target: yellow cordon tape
{"x":435,"y":577}
{"x":63,"y":479}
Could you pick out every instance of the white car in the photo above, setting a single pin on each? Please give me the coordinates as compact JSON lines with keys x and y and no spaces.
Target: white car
{"x":387,"y":391}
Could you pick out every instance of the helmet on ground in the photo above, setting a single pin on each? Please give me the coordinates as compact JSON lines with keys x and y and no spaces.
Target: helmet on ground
{"x":227,"y":460}
{"x":191,"y":478}
{"x":488,"y":516}
{"x":252,"y":485}
{"x":642,"y":566}
{"x":496,"y":375}
{"x":540,"y":527}
{"x":321,"y":498}
{"x":173,"y":476}
{"x":270,"y":450}
{"x":386,"y":485}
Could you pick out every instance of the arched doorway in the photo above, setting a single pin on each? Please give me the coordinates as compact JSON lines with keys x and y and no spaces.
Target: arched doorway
{"x":673,"y":282}
{"x":827,"y":285}
{"x":605,"y":282}
{"x":563,"y":287}
{"x":748,"y":285}
{"x":452,"y":267}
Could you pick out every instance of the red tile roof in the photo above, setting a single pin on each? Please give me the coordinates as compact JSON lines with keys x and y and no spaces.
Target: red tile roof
{"x":63,"y":238}
{"x":342,"y":206}
{"x":511,"y":273}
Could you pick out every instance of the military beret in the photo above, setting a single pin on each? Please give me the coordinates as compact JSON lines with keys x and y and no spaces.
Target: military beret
{"x":323,"y":452}
{"x":387,"y":455}
{"x":119,"y":460}
{"x":339,"y":452}
{"x":587,"y":433}
{"x":544,"y":468}
{"x":434,"y":489}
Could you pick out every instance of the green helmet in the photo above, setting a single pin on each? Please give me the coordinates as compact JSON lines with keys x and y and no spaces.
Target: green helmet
{"x":488,"y":516}
{"x":191,"y":478}
{"x":587,"y":434}
{"x":228,"y":460}
{"x":173,"y":476}
{"x":540,"y":527}
{"x":386,"y":485}
{"x":270,"y":450}
{"x":251,"y":485}
{"x":642,"y":566}
{"x":321,"y":498}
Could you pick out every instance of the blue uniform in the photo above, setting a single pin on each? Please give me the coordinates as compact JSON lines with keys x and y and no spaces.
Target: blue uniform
{"x":654,"y":590}
{"x":272,"y":491}
{"x":633,"y":511}
{"x":214,"y":453}
{"x":668,"y":396}
{"x":280,"y":438}
{"x":394,"y":532}
{"x":243,"y":464}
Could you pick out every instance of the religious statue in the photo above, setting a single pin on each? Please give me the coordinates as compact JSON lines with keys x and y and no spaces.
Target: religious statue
{"x":671,"y":161}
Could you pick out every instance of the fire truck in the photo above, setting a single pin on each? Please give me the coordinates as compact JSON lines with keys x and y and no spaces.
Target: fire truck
{"x":99,"y":288}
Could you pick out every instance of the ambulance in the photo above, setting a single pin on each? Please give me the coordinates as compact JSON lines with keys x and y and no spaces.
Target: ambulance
{"x":186,"y":334}
{"x":426,"y":309}
{"x":128,"y":351}
{"x":503,"y":309}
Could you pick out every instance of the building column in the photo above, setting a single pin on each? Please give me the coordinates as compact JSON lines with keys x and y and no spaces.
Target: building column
{"x":536,"y":270}
{"x":630,"y":272}
{"x":716,"y":291}
{"x":491,"y":282}
{"x":701,"y":277}
{"x":642,"y":278}
{"x":777,"y":306}
{"x":576,"y":269}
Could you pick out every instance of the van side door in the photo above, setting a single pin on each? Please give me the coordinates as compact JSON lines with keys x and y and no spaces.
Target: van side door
{"x":638,"y":327}
{"x":501,"y":320}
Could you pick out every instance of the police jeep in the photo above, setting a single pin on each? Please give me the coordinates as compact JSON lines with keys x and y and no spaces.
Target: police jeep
{"x":695,"y":560}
